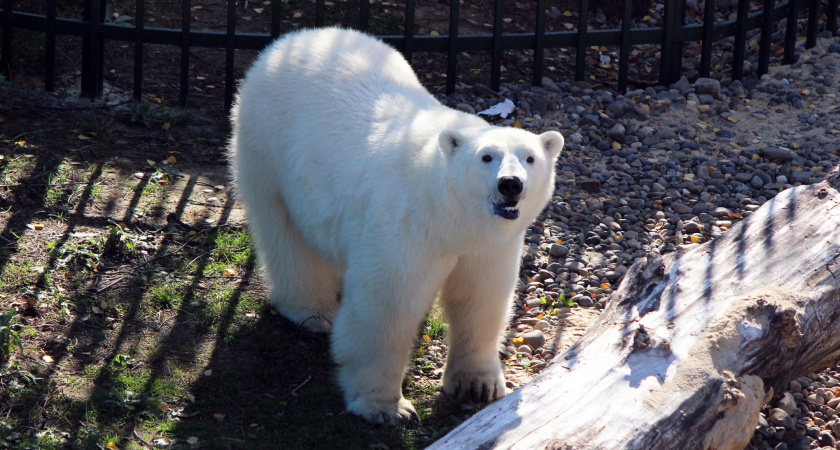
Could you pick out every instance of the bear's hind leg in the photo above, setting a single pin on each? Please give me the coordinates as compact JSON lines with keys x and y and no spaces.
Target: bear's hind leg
{"x":303,"y":287}
{"x":476,"y":301}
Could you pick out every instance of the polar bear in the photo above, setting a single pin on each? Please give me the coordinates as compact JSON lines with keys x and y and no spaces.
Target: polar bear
{"x":366,"y":197}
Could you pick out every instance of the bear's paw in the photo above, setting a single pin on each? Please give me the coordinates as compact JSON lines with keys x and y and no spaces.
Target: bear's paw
{"x":481,"y":387}
{"x":385,"y":412}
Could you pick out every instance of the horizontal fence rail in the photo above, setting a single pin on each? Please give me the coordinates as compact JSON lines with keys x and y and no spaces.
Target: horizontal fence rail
{"x":671,"y":37}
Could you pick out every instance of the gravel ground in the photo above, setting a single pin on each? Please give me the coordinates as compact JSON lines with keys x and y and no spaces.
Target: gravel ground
{"x":653,"y":170}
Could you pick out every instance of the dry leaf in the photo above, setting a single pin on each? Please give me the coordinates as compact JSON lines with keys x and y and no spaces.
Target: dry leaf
{"x":427,"y":338}
{"x":192,"y":440}
{"x":150,"y":162}
{"x":47,"y":359}
{"x":111,"y":446}
{"x":190,"y":397}
{"x":166,"y":125}
{"x":259,"y":10}
{"x":218,"y":417}
{"x":517,"y":124}
{"x":229,"y":272}
{"x":171,"y":159}
{"x":732,"y":119}
{"x":517,"y":341}
{"x":605,"y":286}
{"x":35,"y":226}
{"x":695,"y":239}
{"x":83,"y":137}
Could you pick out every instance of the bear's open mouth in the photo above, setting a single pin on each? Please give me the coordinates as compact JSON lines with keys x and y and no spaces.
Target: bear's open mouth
{"x":506,"y":210}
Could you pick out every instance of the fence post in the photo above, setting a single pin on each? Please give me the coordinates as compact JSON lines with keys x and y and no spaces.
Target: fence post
{"x":671,"y":55}
{"x":93,"y":56}
{"x":452,"y":56}
{"x":6,"y":55}
{"x":539,"y":44}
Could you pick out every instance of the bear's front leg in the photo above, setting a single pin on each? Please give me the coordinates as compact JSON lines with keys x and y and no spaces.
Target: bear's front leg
{"x":476,"y":301}
{"x":376,"y":326}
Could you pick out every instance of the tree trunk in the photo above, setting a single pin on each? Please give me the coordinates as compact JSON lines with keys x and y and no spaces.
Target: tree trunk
{"x":691,"y":344}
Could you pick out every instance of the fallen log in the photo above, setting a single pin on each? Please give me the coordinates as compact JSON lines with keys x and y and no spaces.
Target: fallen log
{"x":692,"y":343}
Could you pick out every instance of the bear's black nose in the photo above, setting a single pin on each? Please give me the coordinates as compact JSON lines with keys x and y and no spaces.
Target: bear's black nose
{"x":510,"y":186}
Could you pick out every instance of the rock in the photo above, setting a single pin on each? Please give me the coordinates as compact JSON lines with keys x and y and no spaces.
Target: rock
{"x":589,"y":184}
{"x":535,"y":339}
{"x":707,"y":86}
{"x":780,"y":418}
{"x":679,"y":208}
{"x":827,"y":440}
{"x":787,"y":403}
{"x":465,"y":108}
{"x":777,"y":153}
{"x":524,"y":349}
{"x":795,"y":386}
{"x":558,"y":251}
{"x":541,"y":325}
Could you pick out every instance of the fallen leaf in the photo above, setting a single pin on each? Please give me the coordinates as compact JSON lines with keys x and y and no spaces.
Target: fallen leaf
{"x":21,"y":143}
{"x":111,"y":446}
{"x":83,"y":137}
{"x":427,"y":338}
{"x":190,"y":397}
{"x":517,"y":341}
{"x":517,"y":124}
{"x":48,"y":359}
{"x":150,"y":162}
{"x":218,"y":417}
{"x":732,"y":119}
{"x":229,"y":272}
{"x":192,"y":440}
{"x":695,"y":239}
{"x":166,"y":126}
{"x":605,"y":286}
{"x":259,"y":10}
{"x":208,"y":372}
{"x":35,"y":226}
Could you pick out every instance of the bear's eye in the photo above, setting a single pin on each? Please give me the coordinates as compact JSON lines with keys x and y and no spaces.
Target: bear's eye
{"x":530,"y":160}
{"x":487,"y":158}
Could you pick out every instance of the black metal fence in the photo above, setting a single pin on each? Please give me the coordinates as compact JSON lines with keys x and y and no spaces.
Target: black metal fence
{"x":671,"y":36}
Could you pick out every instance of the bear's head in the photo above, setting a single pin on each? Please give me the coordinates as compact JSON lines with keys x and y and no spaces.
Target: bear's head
{"x":506,"y":173}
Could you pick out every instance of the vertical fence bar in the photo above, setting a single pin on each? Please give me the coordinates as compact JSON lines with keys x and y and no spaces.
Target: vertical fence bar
{"x":765,"y":45}
{"x":229,"y":47}
{"x":276,"y":18}
{"x":49,"y":47}
{"x":364,"y":15}
{"x":813,"y":21}
{"x":671,"y":57}
{"x":708,"y":30}
{"x":740,"y":40}
{"x":320,"y":12}
{"x":624,"y":51}
{"x":496,"y":58}
{"x":831,"y":16}
{"x":452,"y":57}
{"x":139,"y":18}
{"x":539,"y":44}
{"x":790,"y":32}
{"x":583,"y":29}
{"x":93,"y":56}
{"x":185,"y":52}
{"x":408,"y":37}
{"x":6,"y":51}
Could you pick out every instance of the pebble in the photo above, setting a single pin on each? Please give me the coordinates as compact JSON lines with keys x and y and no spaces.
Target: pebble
{"x":534,"y":339}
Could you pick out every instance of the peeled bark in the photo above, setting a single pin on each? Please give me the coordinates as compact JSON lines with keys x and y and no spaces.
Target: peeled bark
{"x":691,"y":344}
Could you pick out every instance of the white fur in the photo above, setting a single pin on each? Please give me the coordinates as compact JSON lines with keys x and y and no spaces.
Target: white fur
{"x":357,"y":182}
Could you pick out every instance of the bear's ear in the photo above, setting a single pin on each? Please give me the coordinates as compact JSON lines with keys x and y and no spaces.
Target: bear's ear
{"x":449,"y":140}
{"x":552,"y":142}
